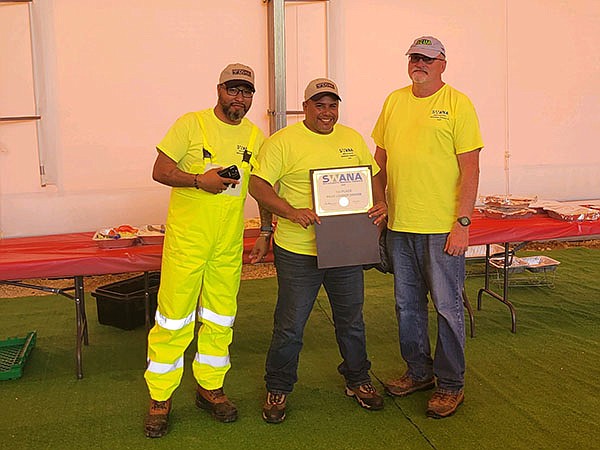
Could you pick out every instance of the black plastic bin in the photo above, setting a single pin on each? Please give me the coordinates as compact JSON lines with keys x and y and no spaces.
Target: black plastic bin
{"x":121,"y":304}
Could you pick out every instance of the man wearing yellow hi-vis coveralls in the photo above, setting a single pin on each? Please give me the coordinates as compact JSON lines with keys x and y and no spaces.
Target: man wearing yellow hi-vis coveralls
{"x":202,"y":253}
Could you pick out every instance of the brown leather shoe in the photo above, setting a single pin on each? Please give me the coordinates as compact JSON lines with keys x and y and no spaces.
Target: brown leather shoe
{"x":406,"y":385}
{"x":156,"y":423}
{"x":216,"y":402}
{"x":274,"y":408}
{"x":367,"y":396}
{"x":444,"y":403}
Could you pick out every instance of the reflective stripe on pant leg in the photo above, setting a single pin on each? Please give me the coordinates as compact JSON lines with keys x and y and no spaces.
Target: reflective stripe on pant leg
{"x":181,"y":277}
{"x":165,"y":359}
{"x":218,"y":303}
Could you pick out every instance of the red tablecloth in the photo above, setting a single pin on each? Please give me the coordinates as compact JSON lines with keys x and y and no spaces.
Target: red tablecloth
{"x":536,"y":228}
{"x":74,"y":254}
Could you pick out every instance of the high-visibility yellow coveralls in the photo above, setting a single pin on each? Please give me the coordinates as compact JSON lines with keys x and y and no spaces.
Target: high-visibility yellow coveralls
{"x":202,"y":254}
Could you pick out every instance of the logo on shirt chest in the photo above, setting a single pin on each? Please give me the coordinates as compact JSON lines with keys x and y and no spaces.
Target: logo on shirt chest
{"x":346,"y":152}
{"x":439,"y":114}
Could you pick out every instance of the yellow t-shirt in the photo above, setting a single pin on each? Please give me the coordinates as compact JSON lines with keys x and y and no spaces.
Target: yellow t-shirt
{"x":226,"y":143}
{"x":287,"y":158}
{"x":422,"y":137}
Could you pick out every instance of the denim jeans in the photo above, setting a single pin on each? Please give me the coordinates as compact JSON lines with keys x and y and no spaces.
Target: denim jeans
{"x":299,"y":281}
{"x":420,"y":267}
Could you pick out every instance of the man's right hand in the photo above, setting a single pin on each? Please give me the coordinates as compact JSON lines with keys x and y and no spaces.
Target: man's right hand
{"x":211,"y":181}
{"x":304,"y":217}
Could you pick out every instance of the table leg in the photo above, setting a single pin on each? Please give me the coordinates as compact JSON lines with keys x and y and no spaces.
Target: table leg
{"x":467,"y":305}
{"x":82,"y":330}
{"x":147,"y":300}
{"x":504,"y":297}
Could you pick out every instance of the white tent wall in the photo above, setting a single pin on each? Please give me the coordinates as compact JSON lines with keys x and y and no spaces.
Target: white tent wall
{"x":117,"y":74}
{"x":529,"y":66}
{"x":554,"y":98}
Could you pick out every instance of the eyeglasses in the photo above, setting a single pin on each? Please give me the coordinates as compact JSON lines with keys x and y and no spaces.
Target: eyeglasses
{"x":234,"y":91}
{"x":415,"y":58}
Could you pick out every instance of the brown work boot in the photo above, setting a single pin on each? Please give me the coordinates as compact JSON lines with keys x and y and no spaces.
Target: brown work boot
{"x":366,"y":395}
{"x":406,"y":385}
{"x":156,"y":423}
{"x":444,"y":403}
{"x":217,"y":403}
{"x":274,"y":409}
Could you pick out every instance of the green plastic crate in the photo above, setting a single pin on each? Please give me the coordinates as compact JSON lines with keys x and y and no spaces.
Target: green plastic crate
{"x":13,"y":355}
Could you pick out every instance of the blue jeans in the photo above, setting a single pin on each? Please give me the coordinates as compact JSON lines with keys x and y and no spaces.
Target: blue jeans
{"x":299,"y":281}
{"x":420,"y":267}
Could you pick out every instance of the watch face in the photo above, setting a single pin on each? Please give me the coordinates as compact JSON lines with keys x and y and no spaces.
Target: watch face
{"x":464,"y":221}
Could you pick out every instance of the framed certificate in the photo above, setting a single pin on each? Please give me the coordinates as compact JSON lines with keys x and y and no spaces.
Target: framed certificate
{"x":342,"y":190}
{"x":346,"y":235}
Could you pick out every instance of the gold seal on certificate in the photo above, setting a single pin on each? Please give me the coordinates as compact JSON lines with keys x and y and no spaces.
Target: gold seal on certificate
{"x":342,"y":190}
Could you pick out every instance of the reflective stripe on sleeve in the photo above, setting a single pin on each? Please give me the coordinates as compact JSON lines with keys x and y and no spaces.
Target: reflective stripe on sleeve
{"x":156,"y":367}
{"x":214,"y":361}
{"x":211,"y":316}
{"x":173,"y":324}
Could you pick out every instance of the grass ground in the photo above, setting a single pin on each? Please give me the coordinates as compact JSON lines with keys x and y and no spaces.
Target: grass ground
{"x":535,"y":389}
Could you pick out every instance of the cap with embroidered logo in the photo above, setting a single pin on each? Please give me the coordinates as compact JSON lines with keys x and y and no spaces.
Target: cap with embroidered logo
{"x":428,"y":46}
{"x":321,"y":86}
{"x":237,"y":72}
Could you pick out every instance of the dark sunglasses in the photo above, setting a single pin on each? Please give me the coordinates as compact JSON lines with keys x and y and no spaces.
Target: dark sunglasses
{"x":415,"y":58}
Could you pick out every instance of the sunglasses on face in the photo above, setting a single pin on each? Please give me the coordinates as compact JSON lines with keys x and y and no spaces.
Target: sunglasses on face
{"x":234,"y":91}
{"x":415,"y":58}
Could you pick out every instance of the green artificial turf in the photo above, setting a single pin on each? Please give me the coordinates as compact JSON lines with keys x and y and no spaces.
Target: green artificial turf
{"x":535,"y":389}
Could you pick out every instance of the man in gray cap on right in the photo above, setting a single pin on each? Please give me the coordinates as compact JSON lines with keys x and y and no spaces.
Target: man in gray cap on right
{"x":428,"y":143}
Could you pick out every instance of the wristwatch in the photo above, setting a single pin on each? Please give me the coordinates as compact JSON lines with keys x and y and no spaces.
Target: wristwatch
{"x":464,"y":221}
{"x":266,"y":231}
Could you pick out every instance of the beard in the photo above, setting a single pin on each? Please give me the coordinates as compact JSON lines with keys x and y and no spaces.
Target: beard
{"x":418,"y":76}
{"x":233,"y":114}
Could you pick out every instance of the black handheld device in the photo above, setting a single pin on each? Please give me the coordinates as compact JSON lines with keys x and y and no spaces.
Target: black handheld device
{"x":230,"y":172}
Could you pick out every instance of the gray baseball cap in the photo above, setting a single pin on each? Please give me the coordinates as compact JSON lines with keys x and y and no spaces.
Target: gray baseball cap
{"x":428,"y":46}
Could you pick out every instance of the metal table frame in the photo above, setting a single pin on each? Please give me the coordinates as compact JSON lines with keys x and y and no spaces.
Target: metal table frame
{"x":79,"y":299}
{"x":73,"y":256}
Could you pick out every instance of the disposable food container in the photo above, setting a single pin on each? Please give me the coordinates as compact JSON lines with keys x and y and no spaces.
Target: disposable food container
{"x":117,"y":237}
{"x":572,"y":213}
{"x":517,"y":265}
{"x":507,"y":201}
{"x":151,"y":234}
{"x":478,"y":251}
{"x":508,"y":213}
{"x":103,"y":241}
{"x":540,"y":263}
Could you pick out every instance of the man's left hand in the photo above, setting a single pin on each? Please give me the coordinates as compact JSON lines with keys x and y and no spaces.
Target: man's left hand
{"x":260,"y":249}
{"x":379,"y":211}
{"x":458,"y":240}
